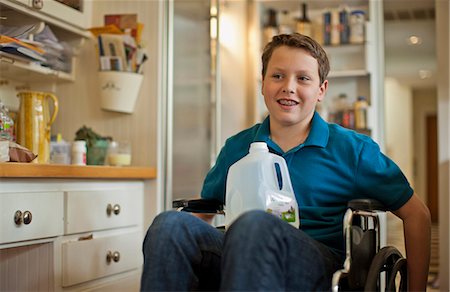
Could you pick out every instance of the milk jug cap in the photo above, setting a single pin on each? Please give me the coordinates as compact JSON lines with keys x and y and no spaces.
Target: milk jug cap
{"x":258,"y":147}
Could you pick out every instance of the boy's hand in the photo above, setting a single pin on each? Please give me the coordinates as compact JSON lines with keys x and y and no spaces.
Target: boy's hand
{"x":207,"y":217}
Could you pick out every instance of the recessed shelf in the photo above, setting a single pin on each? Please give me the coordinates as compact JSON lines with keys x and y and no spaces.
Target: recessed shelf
{"x":25,"y":72}
{"x":348,"y":73}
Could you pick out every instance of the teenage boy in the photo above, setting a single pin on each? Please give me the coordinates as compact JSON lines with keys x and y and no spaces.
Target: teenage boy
{"x":329,"y":166}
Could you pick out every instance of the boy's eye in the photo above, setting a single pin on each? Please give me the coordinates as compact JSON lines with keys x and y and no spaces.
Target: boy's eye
{"x":303,"y":78}
{"x":277,"y":76}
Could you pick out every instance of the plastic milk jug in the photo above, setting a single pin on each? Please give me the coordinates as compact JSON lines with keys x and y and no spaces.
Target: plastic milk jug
{"x":260,"y":180}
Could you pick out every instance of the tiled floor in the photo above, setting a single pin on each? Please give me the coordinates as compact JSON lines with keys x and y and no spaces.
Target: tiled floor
{"x":395,"y":238}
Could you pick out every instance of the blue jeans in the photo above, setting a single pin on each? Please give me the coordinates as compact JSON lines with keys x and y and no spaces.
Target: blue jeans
{"x":259,"y":252}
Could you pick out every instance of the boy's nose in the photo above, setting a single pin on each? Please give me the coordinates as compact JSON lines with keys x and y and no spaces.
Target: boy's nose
{"x":287,"y":90}
{"x":289,"y":86}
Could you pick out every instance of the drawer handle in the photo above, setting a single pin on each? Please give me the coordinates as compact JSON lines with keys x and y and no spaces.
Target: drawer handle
{"x":18,"y":217}
{"x":112,"y":256}
{"x":27,"y":217}
{"x":24,"y":217}
{"x":113,"y":209}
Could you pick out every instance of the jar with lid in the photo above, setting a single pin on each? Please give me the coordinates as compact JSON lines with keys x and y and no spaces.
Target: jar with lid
{"x":79,"y":152}
{"x":119,"y":153}
{"x":357,"y":26}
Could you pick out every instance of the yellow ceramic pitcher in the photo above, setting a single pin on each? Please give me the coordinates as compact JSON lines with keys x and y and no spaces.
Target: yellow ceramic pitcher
{"x":34,"y":122}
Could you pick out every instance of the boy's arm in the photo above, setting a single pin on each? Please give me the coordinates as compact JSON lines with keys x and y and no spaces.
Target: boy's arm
{"x":417,"y":229}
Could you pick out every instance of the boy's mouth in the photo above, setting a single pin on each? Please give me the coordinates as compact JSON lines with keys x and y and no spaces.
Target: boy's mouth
{"x":287,"y":102}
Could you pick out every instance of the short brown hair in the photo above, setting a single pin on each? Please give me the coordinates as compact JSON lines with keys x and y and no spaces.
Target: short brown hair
{"x":296,"y":40}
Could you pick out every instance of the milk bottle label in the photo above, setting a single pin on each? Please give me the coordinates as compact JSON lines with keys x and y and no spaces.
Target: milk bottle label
{"x":282,"y":207}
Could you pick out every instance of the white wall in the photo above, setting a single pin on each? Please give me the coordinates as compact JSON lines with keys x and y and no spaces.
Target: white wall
{"x":234,"y":67}
{"x":443,"y":57}
{"x":398,"y":125}
{"x":80,"y":102}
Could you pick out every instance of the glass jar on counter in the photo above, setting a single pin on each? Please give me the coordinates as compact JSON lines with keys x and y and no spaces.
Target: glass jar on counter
{"x":119,"y":153}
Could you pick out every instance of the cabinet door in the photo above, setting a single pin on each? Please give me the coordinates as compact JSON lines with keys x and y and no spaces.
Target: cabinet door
{"x":87,"y":260}
{"x":77,"y":13}
{"x":26,"y":216}
{"x":103,"y":209}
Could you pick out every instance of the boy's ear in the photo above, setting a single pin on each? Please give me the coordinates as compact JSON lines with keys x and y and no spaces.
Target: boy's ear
{"x":323,"y":90}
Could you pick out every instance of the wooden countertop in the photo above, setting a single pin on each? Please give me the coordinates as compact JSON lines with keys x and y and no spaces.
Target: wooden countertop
{"x":34,"y":170}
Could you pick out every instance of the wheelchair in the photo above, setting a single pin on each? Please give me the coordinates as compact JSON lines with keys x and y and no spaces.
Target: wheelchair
{"x":367,"y":266}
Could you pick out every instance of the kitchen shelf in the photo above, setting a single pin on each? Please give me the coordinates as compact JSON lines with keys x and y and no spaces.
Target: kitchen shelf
{"x":24,"y":72}
{"x":312,"y":4}
{"x":34,"y":170}
{"x":17,"y":14}
{"x":348,"y":73}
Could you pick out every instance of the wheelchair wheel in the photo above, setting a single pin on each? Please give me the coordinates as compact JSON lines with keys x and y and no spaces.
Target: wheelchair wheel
{"x":391,"y":261}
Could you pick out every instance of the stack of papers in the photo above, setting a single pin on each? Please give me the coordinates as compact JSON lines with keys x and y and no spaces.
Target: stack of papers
{"x":35,"y":43}
{"x":119,"y":43}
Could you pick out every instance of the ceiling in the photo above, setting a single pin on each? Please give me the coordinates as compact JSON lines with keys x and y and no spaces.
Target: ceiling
{"x":413,"y":65}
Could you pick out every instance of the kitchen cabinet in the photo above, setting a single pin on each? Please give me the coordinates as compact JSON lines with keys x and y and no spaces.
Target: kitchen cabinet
{"x":67,"y":28}
{"x":89,"y":232}
{"x":77,"y":13}
{"x":356,"y":69}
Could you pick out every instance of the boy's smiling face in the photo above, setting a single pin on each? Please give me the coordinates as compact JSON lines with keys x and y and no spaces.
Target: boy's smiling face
{"x":291,"y":86}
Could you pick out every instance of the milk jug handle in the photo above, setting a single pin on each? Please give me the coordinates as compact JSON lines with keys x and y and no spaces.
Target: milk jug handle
{"x":55,"y":108}
{"x":285,"y":178}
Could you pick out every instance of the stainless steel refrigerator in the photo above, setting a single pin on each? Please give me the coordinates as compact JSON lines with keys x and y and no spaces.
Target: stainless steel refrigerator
{"x":191,"y":111}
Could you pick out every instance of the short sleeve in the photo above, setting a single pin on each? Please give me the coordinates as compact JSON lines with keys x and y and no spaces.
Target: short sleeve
{"x":378,"y":177}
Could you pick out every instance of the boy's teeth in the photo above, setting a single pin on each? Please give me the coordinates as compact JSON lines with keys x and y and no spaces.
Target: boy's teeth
{"x":287,"y":102}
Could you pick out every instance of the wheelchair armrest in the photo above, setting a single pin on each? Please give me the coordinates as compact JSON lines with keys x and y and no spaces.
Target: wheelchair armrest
{"x":366,"y":205}
{"x":199,"y":205}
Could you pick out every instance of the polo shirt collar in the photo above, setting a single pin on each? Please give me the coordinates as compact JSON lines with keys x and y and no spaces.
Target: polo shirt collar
{"x":318,"y":136}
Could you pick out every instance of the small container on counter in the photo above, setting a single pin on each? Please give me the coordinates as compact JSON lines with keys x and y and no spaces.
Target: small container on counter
{"x":119,"y":154}
{"x":60,"y":152}
{"x":79,"y":152}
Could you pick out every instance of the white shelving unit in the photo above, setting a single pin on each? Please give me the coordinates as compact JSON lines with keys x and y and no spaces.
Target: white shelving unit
{"x":356,"y":69}
{"x":17,"y":13}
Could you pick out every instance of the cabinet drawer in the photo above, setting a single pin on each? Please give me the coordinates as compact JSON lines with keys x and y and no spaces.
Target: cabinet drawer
{"x":87,"y":260}
{"x":41,"y":216}
{"x":102,"y":209}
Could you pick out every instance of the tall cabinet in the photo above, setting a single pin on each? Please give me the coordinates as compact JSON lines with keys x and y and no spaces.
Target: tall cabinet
{"x":356,"y":69}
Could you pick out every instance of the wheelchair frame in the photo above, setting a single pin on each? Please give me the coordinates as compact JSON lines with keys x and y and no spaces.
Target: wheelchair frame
{"x":378,"y":260}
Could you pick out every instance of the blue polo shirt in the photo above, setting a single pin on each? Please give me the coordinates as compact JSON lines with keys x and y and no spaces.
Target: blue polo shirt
{"x":333,"y":166}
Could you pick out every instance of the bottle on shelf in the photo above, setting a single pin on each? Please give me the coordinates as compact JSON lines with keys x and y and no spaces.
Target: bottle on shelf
{"x":335,"y":27}
{"x":357,"y":26}
{"x":271,"y":27}
{"x":6,"y":124}
{"x":285,"y":23}
{"x":343,"y":113}
{"x":304,"y":25}
{"x":344,"y":26}
{"x":361,"y":106}
{"x":327,"y":28}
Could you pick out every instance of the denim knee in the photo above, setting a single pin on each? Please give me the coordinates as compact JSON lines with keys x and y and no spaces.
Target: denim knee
{"x":256,"y":219}
{"x":166,"y":225}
